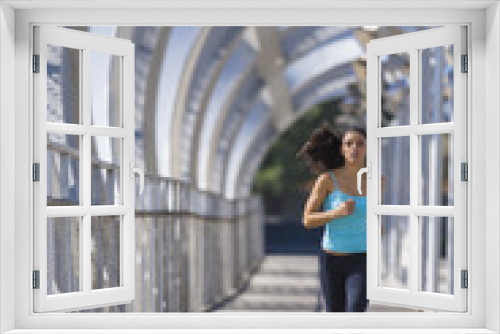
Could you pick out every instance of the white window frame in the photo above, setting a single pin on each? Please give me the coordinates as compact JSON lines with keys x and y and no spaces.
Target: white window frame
{"x":86,"y":43}
{"x":483,"y":100}
{"x":412,"y":44}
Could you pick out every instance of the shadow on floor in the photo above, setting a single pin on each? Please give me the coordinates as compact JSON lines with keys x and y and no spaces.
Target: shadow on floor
{"x":289,"y":277}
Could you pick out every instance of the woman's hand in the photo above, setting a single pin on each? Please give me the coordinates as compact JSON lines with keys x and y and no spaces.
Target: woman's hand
{"x":347,"y":207}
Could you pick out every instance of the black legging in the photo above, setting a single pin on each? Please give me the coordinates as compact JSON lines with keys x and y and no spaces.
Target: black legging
{"x":345,"y":289}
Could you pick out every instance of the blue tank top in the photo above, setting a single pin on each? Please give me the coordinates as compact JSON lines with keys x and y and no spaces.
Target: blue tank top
{"x":346,"y":234}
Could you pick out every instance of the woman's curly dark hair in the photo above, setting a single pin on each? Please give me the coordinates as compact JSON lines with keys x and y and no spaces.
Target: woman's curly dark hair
{"x":325,"y":146}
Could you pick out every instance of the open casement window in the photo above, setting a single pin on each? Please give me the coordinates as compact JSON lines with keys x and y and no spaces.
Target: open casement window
{"x":84,"y":189}
{"x":416,"y":144}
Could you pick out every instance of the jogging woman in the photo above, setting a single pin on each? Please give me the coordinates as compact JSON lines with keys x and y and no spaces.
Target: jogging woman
{"x":343,"y":213}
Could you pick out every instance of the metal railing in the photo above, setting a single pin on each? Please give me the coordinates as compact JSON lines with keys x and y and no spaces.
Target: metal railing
{"x":193,"y":248}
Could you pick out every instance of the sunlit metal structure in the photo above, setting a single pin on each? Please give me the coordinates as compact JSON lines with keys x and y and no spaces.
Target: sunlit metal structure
{"x":209,"y":103}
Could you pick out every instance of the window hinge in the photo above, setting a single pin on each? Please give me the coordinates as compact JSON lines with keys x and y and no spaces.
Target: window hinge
{"x":36,"y":63}
{"x":36,"y":172}
{"x":464,"y":171}
{"x":36,"y":279}
{"x":465,"y":279}
{"x":465,"y":64}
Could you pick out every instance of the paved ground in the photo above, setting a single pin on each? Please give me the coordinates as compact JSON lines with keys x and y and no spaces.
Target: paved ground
{"x":287,"y":284}
{"x":288,"y":279}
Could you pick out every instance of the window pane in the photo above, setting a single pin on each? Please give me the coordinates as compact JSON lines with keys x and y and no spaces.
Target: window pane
{"x":436,"y":180}
{"x":395,"y":168}
{"x":395,"y":252}
{"x":63,"y":255}
{"x":105,"y":89}
{"x":106,"y":243}
{"x":395,"y":89}
{"x":437,"y":84}
{"x":63,"y":84}
{"x":106,"y":157}
{"x":63,"y":169}
{"x":436,"y":249}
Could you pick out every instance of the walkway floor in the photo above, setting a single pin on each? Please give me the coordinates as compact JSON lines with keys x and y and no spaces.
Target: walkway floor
{"x":288,"y":278}
{"x":287,"y":284}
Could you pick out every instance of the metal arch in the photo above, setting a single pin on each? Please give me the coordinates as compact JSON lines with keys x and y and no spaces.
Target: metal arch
{"x":296,"y":43}
{"x":245,"y":185}
{"x":287,"y":30}
{"x":228,"y":137}
{"x":200,"y":119}
{"x":295,"y":116}
{"x":257,"y":119}
{"x":254,"y":154}
{"x":194,"y":169}
{"x":150,"y":110}
{"x":186,"y":120}
{"x":181,"y":101}
{"x":206,"y":78}
{"x":232,"y":102}
{"x":337,"y":89}
{"x":301,"y":92}
{"x":239,"y":116}
{"x":320,"y":80}
{"x":235,"y":167}
{"x":270,"y":58}
{"x":269,"y":41}
{"x":304,"y":83}
{"x":335,"y":79}
{"x":157,"y":46}
{"x":226,"y":128}
{"x":270,"y":64}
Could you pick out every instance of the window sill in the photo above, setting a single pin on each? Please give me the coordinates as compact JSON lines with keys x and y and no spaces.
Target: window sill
{"x":249,"y":331}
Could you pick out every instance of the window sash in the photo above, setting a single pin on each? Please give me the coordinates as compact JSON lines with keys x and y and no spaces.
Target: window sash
{"x":411,"y":43}
{"x":86,"y":297}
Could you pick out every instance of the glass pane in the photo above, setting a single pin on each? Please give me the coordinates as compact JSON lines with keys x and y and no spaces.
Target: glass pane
{"x":395,"y":77}
{"x":105,"y":257}
{"x":63,"y":255}
{"x":436,"y":180}
{"x":437,"y":84}
{"x":105,"y":89}
{"x":436,"y":250}
{"x":395,"y":252}
{"x":63,"y":169}
{"x":395,"y":169}
{"x":106,"y":157}
{"x":63,"y":84}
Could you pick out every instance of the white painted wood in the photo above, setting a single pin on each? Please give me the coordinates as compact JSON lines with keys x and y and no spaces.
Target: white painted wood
{"x":426,"y":129}
{"x":7,"y":168}
{"x":421,"y":129}
{"x":257,"y":330}
{"x":412,"y":43}
{"x":77,"y":129}
{"x":491,"y":160}
{"x":483,"y":42}
{"x":249,"y":4}
{"x":86,"y":298}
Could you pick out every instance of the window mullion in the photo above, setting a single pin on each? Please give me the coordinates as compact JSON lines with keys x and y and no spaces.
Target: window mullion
{"x":108,"y":210}
{"x":415,"y":79}
{"x":86,"y":168}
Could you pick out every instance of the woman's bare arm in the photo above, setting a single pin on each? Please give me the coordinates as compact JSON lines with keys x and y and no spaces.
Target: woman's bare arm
{"x":312,"y":218}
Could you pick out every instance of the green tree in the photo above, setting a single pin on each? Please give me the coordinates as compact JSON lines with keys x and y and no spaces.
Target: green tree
{"x":282,"y":177}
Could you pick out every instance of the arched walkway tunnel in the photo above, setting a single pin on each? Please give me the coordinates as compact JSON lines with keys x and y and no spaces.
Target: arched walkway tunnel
{"x":212,"y":103}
